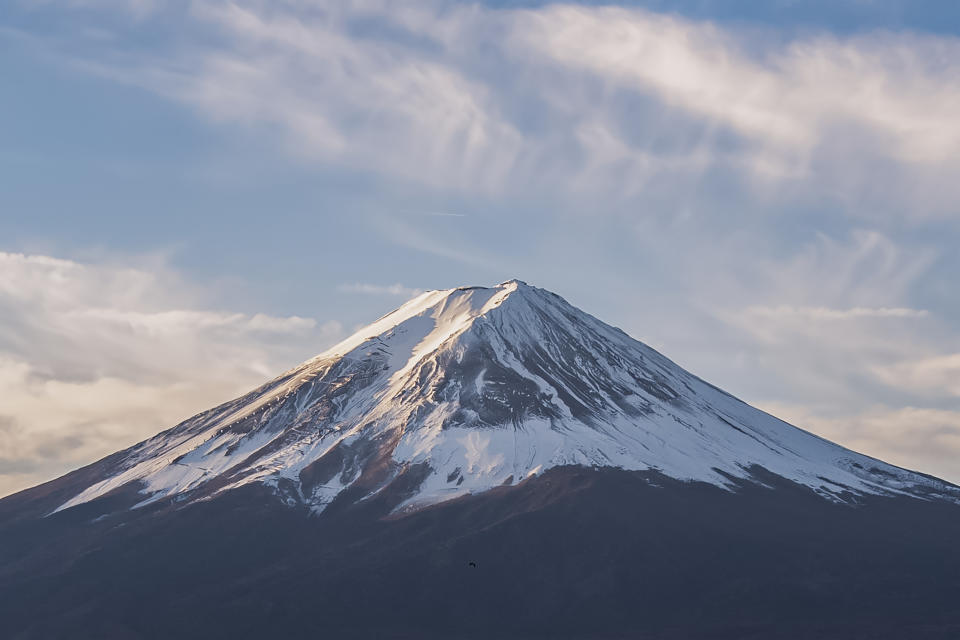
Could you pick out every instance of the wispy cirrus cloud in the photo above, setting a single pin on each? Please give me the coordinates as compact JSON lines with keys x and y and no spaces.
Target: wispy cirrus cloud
{"x":571,"y":99}
{"x":785,"y":97}
{"x":848,"y":320}
{"x":824,"y":313}
{"x":380,"y":289}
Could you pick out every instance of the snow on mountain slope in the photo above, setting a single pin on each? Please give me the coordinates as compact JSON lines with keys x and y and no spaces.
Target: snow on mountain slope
{"x":466,"y":389}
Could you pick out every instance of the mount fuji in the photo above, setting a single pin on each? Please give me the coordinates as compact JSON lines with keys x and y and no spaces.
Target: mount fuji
{"x":484,"y":462}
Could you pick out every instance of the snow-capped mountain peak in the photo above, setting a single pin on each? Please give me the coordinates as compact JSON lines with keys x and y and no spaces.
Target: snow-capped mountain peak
{"x":462,"y":390}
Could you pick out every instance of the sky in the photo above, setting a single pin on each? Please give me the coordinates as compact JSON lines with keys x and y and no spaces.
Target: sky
{"x":196,"y":195}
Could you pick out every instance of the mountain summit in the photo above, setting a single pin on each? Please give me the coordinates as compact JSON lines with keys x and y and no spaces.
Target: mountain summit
{"x":484,"y":462}
{"x":462,"y":390}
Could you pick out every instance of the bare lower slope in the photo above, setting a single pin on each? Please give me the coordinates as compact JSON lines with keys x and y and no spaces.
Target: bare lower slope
{"x":571,"y":553}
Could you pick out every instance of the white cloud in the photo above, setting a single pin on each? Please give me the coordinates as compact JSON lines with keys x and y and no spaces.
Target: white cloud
{"x":785,"y":97}
{"x":922,"y":439}
{"x":94,"y":358}
{"x":824,"y":313}
{"x":367,"y":103}
{"x":379,"y":289}
{"x":937,"y":375}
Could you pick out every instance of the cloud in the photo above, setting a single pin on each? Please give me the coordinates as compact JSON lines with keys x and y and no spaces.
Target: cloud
{"x":783,"y":97}
{"x":823,"y":313}
{"x":860,"y":278}
{"x":932,"y":376}
{"x":916,"y":438}
{"x":829,"y":326}
{"x":138,"y":9}
{"x":568,"y":99}
{"x":360,"y":102}
{"x":94,"y":358}
{"x":377,"y":289}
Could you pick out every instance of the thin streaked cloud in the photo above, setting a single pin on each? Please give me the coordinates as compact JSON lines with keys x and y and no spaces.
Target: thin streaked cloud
{"x":380,"y":289}
{"x":824,"y":313}
{"x":625,"y":98}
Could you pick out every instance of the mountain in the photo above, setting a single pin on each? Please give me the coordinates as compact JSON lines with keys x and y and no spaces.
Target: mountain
{"x":484,"y":462}
{"x":463,"y":390}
